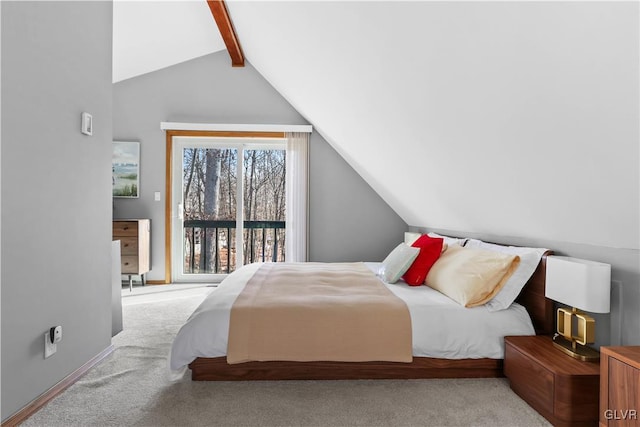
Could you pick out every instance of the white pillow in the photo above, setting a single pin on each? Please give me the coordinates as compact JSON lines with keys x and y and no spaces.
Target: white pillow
{"x":398,"y":262}
{"x":529,"y":260}
{"x":450,"y":240}
{"x":410,"y":237}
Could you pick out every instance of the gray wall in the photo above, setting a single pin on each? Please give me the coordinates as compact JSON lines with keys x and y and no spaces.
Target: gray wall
{"x":348,"y":220}
{"x":622,"y":325}
{"x":56,"y":184}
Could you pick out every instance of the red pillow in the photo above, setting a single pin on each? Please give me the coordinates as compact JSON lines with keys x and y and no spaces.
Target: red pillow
{"x":430,"y":249}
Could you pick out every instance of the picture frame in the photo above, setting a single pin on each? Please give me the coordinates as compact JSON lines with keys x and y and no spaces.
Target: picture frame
{"x":125,"y":167}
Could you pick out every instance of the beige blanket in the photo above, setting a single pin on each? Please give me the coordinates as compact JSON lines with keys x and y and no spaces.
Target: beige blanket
{"x":318,"y":312}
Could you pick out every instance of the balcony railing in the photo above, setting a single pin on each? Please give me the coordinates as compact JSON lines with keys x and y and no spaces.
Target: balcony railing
{"x":263,"y":241}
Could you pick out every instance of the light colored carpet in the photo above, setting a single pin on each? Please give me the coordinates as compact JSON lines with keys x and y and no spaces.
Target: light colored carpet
{"x":132,"y":388}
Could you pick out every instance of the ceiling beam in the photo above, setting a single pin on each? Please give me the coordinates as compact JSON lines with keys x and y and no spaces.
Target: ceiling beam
{"x":228,"y":33}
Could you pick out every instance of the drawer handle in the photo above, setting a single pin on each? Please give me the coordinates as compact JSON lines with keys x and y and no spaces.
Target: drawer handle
{"x":126,"y":263}
{"x":125,"y":228}
{"x":126,"y":245}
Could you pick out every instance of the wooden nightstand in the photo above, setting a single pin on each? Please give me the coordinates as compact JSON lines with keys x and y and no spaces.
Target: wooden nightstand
{"x":620,"y":386}
{"x":562,"y":389}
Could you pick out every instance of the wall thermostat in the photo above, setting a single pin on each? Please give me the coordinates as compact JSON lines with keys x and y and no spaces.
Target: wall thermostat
{"x":87,"y":124}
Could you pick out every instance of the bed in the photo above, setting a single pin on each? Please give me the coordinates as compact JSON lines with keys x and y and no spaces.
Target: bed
{"x":531,"y":314}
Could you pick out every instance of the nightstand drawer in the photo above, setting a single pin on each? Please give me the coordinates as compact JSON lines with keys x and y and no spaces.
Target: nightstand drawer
{"x":529,"y":380}
{"x":562,"y":389}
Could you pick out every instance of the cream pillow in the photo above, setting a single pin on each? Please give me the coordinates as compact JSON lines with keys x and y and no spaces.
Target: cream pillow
{"x":529,"y":260}
{"x":471,"y":277}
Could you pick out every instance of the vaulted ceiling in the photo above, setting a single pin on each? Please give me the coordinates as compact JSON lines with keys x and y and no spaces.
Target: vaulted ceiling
{"x":150,"y":35}
{"x":459,"y":114}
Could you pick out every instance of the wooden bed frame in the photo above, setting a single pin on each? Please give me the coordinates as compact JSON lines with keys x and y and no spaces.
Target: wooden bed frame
{"x":532,"y":298}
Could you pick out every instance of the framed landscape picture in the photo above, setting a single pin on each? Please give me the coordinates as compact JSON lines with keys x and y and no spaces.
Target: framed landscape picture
{"x":125,"y":166}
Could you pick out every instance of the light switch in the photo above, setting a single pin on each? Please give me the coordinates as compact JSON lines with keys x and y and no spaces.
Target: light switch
{"x":156,"y":196}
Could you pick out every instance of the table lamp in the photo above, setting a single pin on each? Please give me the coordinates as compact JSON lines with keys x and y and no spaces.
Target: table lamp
{"x":582,"y":285}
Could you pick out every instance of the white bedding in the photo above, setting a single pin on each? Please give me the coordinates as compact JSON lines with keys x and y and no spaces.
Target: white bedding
{"x":441,"y":328}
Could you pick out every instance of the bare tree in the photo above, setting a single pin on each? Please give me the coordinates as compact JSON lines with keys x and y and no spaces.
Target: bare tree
{"x":211,"y":187}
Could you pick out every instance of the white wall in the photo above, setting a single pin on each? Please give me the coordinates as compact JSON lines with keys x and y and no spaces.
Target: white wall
{"x":56,"y":191}
{"x":514,"y":120}
{"x":517,"y":118}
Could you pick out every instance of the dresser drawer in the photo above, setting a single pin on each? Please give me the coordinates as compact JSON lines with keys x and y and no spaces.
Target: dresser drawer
{"x":529,"y":380}
{"x":129,"y":264}
{"x":620,"y":386}
{"x":125,"y":228}
{"x":128,"y":246}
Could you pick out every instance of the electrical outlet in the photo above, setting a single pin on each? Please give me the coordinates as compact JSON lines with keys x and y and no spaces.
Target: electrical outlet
{"x":55,"y":334}
{"x":49,"y":347}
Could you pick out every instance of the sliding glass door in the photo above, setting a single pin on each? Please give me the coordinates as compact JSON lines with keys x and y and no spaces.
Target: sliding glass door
{"x":229,"y":201}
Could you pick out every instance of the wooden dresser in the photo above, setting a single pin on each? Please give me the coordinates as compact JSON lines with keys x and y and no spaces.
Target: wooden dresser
{"x":134,"y":236}
{"x":562,"y":389}
{"x":620,"y":386}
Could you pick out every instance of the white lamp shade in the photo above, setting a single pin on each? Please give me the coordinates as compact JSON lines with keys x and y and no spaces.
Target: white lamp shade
{"x":410,"y":237}
{"x":579,"y":283}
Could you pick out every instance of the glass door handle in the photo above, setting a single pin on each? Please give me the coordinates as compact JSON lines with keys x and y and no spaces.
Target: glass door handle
{"x":180,"y":211}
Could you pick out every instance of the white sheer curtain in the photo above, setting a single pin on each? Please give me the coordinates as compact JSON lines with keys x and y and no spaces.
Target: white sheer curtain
{"x":297,"y":197}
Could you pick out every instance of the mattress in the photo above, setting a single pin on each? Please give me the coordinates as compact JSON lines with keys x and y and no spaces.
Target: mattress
{"x":441,"y":328}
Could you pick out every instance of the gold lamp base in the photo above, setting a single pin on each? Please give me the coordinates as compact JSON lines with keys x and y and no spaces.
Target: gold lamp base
{"x":575,"y":344}
{"x":575,"y":350}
